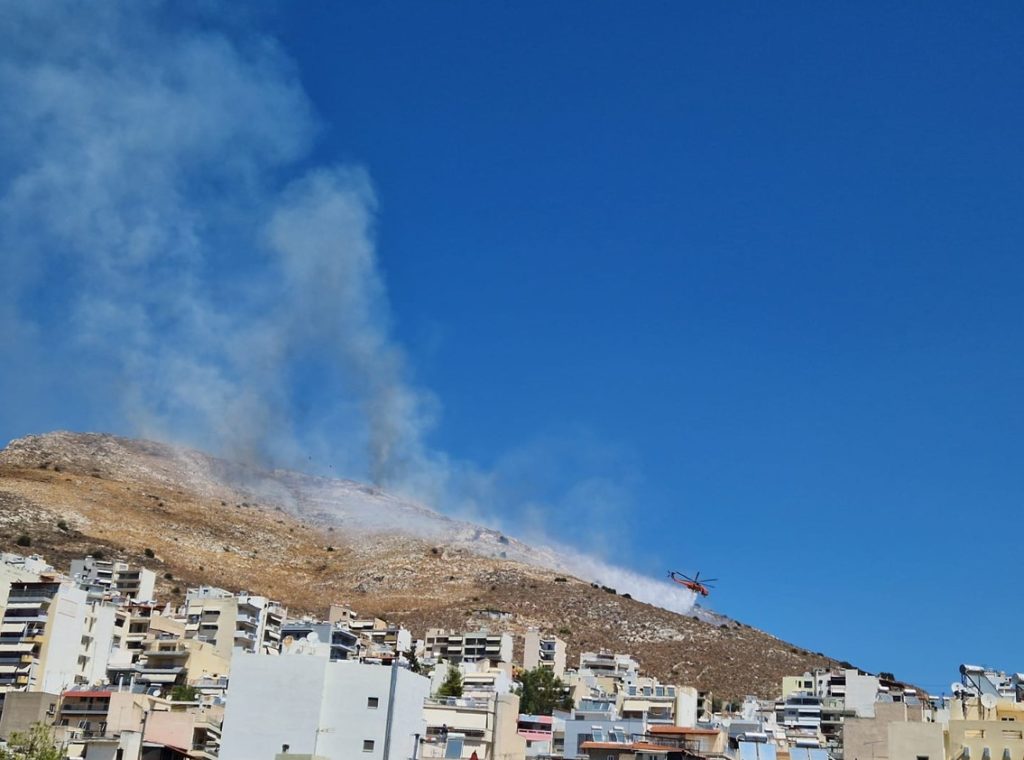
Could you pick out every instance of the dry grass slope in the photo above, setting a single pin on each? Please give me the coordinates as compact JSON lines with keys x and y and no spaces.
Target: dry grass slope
{"x":74,"y":494}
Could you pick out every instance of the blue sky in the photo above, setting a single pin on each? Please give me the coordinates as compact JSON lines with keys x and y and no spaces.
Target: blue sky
{"x":706,"y":287}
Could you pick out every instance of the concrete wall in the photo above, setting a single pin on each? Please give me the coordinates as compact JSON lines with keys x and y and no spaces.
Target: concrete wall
{"x":686,"y":706}
{"x":913,"y":740}
{"x":977,"y":735}
{"x":205,"y":660}
{"x":861,"y":691}
{"x":147,"y":585}
{"x":507,"y":741}
{"x":22,"y":709}
{"x":318,"y":707}
{"x":868,"y":738}
{"x":126,"y":711}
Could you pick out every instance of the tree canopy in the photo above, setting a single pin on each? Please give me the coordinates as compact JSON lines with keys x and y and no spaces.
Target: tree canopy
{"x":542,"y":692}
{"x":35,"y":744}
{"x":452,"y":686}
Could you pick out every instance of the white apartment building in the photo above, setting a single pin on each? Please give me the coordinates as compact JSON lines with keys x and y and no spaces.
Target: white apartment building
{"x":471,"y":646}
{"x":231,"y":622}
{"x":307,"y":705}
{"x":544,"y":651}
{"x":108,"y":579}
{"x":96,"y":644}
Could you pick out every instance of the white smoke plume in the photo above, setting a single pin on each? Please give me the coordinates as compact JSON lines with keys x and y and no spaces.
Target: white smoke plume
{"x":168,"y":265}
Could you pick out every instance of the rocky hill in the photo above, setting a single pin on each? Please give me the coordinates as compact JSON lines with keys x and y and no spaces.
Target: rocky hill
{"x":309,"y":541}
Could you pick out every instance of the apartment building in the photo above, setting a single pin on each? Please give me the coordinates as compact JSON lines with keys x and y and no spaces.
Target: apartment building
{"x":305,"y":704}
{"x":109,"y":579}
{"x":619,"y":667}
{"x":597,"y":720}
{"x":843,"y":693}
{"x":85,"y":713}
{"x":659,"y":704}
{"x":136,"y":622}
{"x":343,"y":644}
{"x":471,"y":646}
{"x":99,"y":722}
{"x":539,"y":732}
{"x":231,"y":622}
{"x":459,"y":727}
{"x":897,"y":731}
{"x":170,"y":662}
{"x":800,"y":714}
{"x":15,"y":568}
{"x":182,"y":726}
{"x":41,"y":636}
{"x":544,"y":651}
{"x":380,"y":641}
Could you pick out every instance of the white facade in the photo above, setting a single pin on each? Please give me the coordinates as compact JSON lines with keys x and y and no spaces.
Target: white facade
{"x":97,"y":644}
{"x":333,"y":710}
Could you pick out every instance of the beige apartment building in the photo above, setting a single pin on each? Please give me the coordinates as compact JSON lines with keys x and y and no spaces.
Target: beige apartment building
{"x":233,"y":622}
{"x":458,"y":727}
{"x":41,"y":636}
{"x":969,"y":729}
{"x":544,"y":651}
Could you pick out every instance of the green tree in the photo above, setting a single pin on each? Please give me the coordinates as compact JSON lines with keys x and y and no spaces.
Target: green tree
{"x":541,"y":692}
{"x":414,"y":663}
{"x":35,"y":744}
{"x":184,"y":693}
{"x":452,"y":686}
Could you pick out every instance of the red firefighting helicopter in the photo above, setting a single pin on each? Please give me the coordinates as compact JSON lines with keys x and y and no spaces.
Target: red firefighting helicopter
{"x":695,"y":584}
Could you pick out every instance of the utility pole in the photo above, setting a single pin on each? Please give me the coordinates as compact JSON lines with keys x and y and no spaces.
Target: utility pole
{"x":142,"y":733}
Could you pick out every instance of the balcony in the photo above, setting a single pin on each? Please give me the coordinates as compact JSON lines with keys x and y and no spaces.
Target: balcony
{"x":84,"y":709}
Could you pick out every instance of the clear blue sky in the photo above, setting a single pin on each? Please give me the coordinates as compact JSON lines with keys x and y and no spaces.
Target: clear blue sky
{"x":761,"y":265}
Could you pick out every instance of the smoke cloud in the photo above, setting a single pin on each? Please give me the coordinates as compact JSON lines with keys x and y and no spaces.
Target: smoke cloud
{"x":171,"y":271}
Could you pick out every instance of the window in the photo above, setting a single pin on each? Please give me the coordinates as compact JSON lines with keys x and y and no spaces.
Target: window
{"x":453,"y":748}
{"x":367,"y":745}
{"x":372,"y":702}
{"x":922,"y":757}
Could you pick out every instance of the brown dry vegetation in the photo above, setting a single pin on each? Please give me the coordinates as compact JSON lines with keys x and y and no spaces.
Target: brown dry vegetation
{"x":121,"y":497}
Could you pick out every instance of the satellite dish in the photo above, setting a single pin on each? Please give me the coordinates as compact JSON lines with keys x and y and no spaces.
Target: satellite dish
{"x":988,"y":701}
{"x":313,"y":637}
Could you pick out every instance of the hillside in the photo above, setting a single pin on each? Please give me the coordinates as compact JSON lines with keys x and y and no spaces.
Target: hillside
{"x":308,"y":541}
